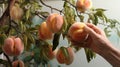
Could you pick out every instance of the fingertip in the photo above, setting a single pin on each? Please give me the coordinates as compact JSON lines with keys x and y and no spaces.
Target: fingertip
{"x":89,"y":29}
{"x":90,"y":25}
{"x":86,"y":28}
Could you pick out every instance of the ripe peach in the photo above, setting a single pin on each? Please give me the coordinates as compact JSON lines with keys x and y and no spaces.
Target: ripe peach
{"x":13,"y":46}
{"x":83,"y":5}
{"x":62,"y":58}
{"x":55,"y":22}
{"x":77,"y":33}
{"x":44,"y":32}
{"x":16,"y":12}
{"x":18,"y":63}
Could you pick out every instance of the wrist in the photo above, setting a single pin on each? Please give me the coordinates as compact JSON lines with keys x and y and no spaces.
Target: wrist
{"x":105,"y":48}
{"x":112,"y":55}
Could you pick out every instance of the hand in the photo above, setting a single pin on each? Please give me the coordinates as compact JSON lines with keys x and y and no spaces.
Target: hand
{"x":97,"y":40}
{"x":99,"y":43}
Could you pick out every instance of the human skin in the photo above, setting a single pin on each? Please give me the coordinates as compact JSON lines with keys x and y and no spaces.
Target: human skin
{"x":99,"y":43}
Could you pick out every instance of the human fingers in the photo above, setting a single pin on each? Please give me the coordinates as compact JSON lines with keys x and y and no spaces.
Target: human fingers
{"x":93,"y":30}
{"x":96,"y":29}
{"x":90,"y":29}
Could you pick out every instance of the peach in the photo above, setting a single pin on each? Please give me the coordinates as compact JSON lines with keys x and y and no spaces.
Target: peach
{"x":55,"y":22}
{"x":13,"y":46}
{"x":18,"y":63}
{"x":16,"y":12}
{"x":83,"y":5}
{"x":44,"y":32}
{"x":76,"y":32}
{"x":62,"y":58}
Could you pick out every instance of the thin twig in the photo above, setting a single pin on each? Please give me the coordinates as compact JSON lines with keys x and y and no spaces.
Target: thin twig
{"x":37,"y":13}
{"x":70,"y":3}
{"x":10,"y":63}
{"x":7,"y":14}
{"x":50,"y":6}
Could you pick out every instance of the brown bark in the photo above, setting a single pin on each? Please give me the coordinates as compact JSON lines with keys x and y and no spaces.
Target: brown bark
{"x":6,"y":14}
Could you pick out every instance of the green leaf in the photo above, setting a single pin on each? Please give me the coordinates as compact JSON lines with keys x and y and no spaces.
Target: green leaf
{"x":4,"y":62}
{"x":91,"y":17}
{"x":69,"y":14}
{"x":64,"y":28}
{"x":30,"y":38}
{"x":32,"y":29}
{"x":37,"y":59}
{"x":2,"y":38}
{"x":56,"y":40}
{"x":99,"y":13}
{"x":27,"y":14}
{"x":22,"y":26}
{"x":37,"y":56}
{"x":77,"y":48}
{"x":107,"y":32}
{"x":28,"y":59}
{"x":95,"y":21}
{"x":81,"y":18}
{"x":118,"y":32}
{"x":100,"y":9}
{"x":113,"y":23}
{"x":89,"y":54}
{"x":104,"y":18}
{"x":65,"y":51}
{"x":25,"y":40}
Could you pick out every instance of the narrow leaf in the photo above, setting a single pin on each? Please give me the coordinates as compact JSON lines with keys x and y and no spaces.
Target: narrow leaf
{"x":118,"y":32}
{"x":56,"y":40}
{"x":89,"y":54}
{"x":27,"y":14}
{"x":65,"y":52}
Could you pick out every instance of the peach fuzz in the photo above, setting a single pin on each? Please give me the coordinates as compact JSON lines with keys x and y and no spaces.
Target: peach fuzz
{"x":54,"y":22}
{"x":65,"y":59}
{"x":44,"y":32}
{"x":18,"y":63}
{"x":13,"y":46}
{"x":76,"y":32}
{"x":83,"y":5}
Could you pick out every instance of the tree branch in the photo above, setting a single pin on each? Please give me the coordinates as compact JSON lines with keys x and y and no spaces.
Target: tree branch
{"x":50,"y":6}
{"x":70,"y":3}
{"x":10,"y":63}
{"x":6,"y":14}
